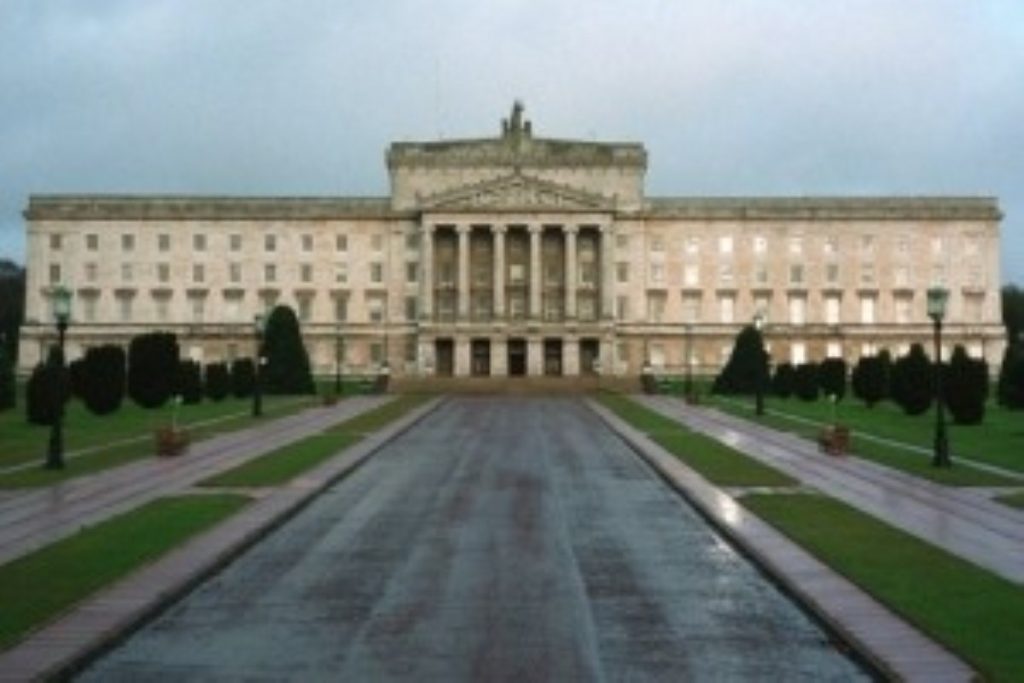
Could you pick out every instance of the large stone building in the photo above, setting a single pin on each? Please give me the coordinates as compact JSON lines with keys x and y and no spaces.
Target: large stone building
{"x":517,"y":255}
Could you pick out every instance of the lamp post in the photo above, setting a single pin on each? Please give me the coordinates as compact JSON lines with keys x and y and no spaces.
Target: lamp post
{"x":937,"y":297}
{"x":338,"y":354}
{"x":688,"y":382}
{"x":61,"y":315}
{"x":759,"y":382}
{"x":258,"y":327}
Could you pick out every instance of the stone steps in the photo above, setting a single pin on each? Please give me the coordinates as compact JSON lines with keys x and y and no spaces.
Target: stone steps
{"x":513,"y":385}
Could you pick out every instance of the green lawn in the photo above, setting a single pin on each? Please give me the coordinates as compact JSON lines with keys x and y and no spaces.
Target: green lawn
{"x":881,"y":421}
{"x":1015,"y":500}
{"x":975,"y":613}
{"x":38,"y":587}
{"x":131,"y":422}
{"x":284,"y":464}
{"x":716,"y":462}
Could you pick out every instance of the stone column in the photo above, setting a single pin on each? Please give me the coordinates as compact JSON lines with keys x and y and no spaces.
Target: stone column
{"x":462,"y":353}
{"x":427,"y":272}
{"x":535,"y":267}
{"x":499,"y":357}
{"x":570,"y":271}
{"x":571,"y":356}
{"x":607,"y":272}
{"x":463,"y":299}
{"x":534,"y":356}
{"x":498,"y":234}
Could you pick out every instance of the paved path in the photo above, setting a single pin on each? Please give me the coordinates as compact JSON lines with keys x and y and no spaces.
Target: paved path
{"x":498,"y":539}
{"x":33,"y":518}
{"x":962,"y":521}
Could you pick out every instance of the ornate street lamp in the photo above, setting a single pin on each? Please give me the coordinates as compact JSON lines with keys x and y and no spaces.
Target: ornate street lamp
{"x":61,"y":315}
{"x":258,"y":328}
{"x":759,"y":321}
{"x":937,"y":297}
{"x":338,"y":356}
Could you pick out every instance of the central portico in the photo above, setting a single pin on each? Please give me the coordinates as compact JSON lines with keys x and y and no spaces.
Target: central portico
{"x":516,"y":240}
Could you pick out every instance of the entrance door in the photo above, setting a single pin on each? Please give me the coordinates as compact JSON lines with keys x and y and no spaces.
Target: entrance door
{"x":590,"y":351}
{"x":444,"y":352}
{"x":481,"y":357}
{"x":516,"y":357}
{"x":552,"y":356}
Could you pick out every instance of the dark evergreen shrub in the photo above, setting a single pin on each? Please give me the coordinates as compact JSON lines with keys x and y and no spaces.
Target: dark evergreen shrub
{"x":243,"y":377}
{"x":784,"y":380}
{"x":747,"y":367}
{"x":806,"y":381}
{"x":8,"y":382}
{"x":287,"y":364}
{"x":1010,"y":389}
{"x":913,"y":381}
{"x":189,"y":382}
{"x":101,"y":379}
{"x":217,"y":382}
{"x":152,"y":368}
{"x":48,"y":389}
{"x":76,"y":376}
{"x":832,"y":377}
{"x":965,"y":387}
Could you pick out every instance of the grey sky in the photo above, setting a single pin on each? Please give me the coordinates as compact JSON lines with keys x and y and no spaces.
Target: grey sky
{"x":731,"y":97}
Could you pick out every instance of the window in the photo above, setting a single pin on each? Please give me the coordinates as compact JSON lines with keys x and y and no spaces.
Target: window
{"x":692,"y":245}
{"x":622,"y":307}
{"x":199,"y":242}
{"x":54,"y":273}
{"x":760,"y":274}
{"x":55,"y":242}
{"x":235,"y":242}
{"x":305,"y":308}
{"x":163,"y":242}
{"x":867,"y":310}
{"x":656,"y":308}
{"x":901,"y":276}
{"x":163,"y":272}
{"x":377,"y":272}
{"x":269,"y":272}
{"x":270,"y":243}
{"x":725,"y":274}
{"x":162,"y":308}
{"x":341,"y":273}
{"x":341,"y":308}
{"x":622,"y":241}
{"x":376,"y":242}
{"x":867,"y":245}
{"x":412,"y":271}
{"x":725,"y":244}
{"x":124,"y":308}
{"x":127,"y":242}
{"x":198,"y":305}
{"x":834,"y":349}
{"x":341,"y":242}
{"x":867,"y":274}
{"x":691,"y":275}
{"x":762,"y":304}
{"x":90,"y":272}
{"x":412,"y":241}
{"x":92,"y":242}
{"x":831,"y":245}
{"x":726,"y":308}
{"x":691,"y":308}
{"x":902,"y":246}
{"x":306,"y":272}
{"x":89,"y":308}
{"x":904,"y":310}
{"x":657,"y":243}
{"x":832,"y":310}
{"x":798,"y":353}
{"x":797,"y":310}
{"x":796,"y":274}
{"x":938,"y":275}
{"x":411,"y":308}
{"x":973,"y":308}
{"x":126,"y":272}
{"x":760,"y":244}
{"x":832,"y":273}
{"x":375,"y":308}
{"x":307,"y":242}
{"x":658,"y":273}
{"x":657,"y":355}
{"x":622,"y":272}
{"x":198,"y":272}
{"x":796,"y":245}
{"x":235,"y":272}
{"x":376,"y":352}
{"x":938,"y":246}
{"x":233,"y":308}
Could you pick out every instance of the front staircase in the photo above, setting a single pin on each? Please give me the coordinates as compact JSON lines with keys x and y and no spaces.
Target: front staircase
{"x":513,"y":385}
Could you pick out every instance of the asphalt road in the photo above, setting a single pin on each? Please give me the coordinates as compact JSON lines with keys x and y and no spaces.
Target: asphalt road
{"x":502,"y":539}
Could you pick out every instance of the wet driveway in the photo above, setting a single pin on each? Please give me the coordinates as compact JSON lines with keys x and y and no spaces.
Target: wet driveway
{"x":501,"y":539}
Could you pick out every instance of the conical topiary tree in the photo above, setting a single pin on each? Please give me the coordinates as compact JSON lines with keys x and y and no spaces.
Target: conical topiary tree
{"x":243,"y":377}
{"x":805,"y":384}
{"x":189,"y":382}
{"x":784,"y":380}
{"x":48,"y":389}
{"x":747,"y":368}
{"x":965,"y":387}
{"x":101,"y":379}
{"x":8,"y":385}
{"x":152,"y":368}
{"x":832,"y":377}
{"x":1010,"y":389}
{"x":217,"y":383}
{"x":913,"y":381}
{"x":287,"y":364}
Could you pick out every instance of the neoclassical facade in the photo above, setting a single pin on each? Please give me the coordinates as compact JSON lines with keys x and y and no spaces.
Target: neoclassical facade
{"x":517,"y":255}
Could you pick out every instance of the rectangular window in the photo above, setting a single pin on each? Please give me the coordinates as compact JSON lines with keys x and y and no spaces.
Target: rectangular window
{"x":798,"y":353}
{"x":657,"y":243}
{"x":867,"y":310}
{"x":126,"y":272}
{"x":55,"y":242}
{"x":341,"y":242}
{"x":867,"y":245}
{"x":658,"y":273}
{"x":725,"y":244}
{"x":832,"y":310}
{"x":938,"y":246}
{"x":124,"y":308}
{"x":376,"y":242}
{"x":198,"y":304}
{"x":163,"y":272}
{"x":832,"y":273}
{"x":306,"y":272}
{"x":622,"y":241}
{"x":904,"y":311}
{"x":233,"y":308}
{"x":307,"y":242}
{"x":691,"y":308}
{"x":831,"y":246}
{"x":796,"y":245}
{"x":411,"y":308}
{"x":412,"y":271}
{"x":692,"y":245}
{"x":834,"y":349}
{"x":198,"y":272}
{"x":797,"y":310}
{"x":163,"y":242}
{"x":199,"y":242}
{"x":867,"y":274}
{"x":90,"y":272}
{"x":92,"y":242}
{"x":305,"y":308}
{"x":376,"y":273}
{"x":341,"y":308}
{"x":796,"y":274}
{"x":725,"y":274}
{"x":269,"y":272}
{"x":622,"y":272}
{"x":341,"y":273}
{"x":760,"y":244}
{"x":656,"y":308}
{"x":761,"y":274}
{"x":270,"y":243}
{"x":89,"y":309}
{"x":235,"y":242}
{"x":162,"y":308}
{"x":412,"y":241}
{"x":375,"y":308}
{"x":235,"y":272}
{"x":127,"y":242}
{"x":691,"y":275}
{"x":901,"y":276}
{"x":726,"y":308}
{"x":54,"y":273}
{"x":622,"y":307}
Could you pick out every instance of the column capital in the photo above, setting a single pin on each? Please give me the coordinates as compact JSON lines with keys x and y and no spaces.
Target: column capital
{"x":570,"y":229}
{"x":463,"y":228}
{"x":499,"y":229}
{"x":428,"y":228}
{"x":534,"y":228}
{"x":606,"y":228}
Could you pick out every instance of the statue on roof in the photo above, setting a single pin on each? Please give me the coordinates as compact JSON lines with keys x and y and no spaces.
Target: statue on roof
{"x":515,"y":126}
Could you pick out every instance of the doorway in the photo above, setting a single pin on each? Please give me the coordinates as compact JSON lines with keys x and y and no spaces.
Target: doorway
{"x":516,"y":357}
{"x":480,"y":350}
{"x":552,"y":356}
{"x":444,"y":352}
{"x":590,"y":352}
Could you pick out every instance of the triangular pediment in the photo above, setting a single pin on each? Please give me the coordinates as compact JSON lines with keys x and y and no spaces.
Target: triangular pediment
{"x":516,"y":192}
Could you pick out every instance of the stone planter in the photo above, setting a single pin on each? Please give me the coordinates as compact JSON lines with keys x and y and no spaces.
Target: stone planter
{"x":170,"y":441}
{"x":835,"y":440}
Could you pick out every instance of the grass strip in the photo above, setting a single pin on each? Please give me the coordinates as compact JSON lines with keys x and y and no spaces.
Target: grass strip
{"x":715,"y":461}
{"x":973,"y":612}
{"x":1014,"y":500}
{"x":40,"y":586}
{"x":287,"y":462}
{"x":283,"y":464}
{"x":888,"y":454}
{"x":120,"y":454}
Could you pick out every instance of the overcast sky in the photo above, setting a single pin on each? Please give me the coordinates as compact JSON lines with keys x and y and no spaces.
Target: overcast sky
{"x":731,"y":97}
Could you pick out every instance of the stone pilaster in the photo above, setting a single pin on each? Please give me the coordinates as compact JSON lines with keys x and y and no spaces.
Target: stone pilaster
{"x":607,"y":272}
{"x":499,"y":357}
{"x":462,"y":356}
{"x":534,"y":356}
{"x":463,"y":299}
{"x":571,"y":356}
{"x":498,"y":234}
{"x":535,"y":272}
{"x":427,"y":273}
{"x":570,"y":271}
